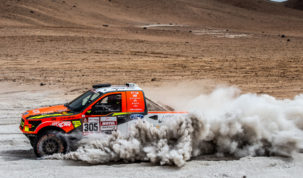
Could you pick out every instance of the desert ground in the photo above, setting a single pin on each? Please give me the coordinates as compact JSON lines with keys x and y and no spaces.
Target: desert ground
{"x":51,"y":51}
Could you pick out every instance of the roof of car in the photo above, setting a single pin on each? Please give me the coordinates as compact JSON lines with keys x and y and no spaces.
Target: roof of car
{"x":113,"y":88}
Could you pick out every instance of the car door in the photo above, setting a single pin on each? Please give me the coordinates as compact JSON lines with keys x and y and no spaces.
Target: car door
{"x":101,"y":117}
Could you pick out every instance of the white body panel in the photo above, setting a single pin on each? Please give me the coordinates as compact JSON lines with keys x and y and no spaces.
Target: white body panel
{"x":110,"y":124}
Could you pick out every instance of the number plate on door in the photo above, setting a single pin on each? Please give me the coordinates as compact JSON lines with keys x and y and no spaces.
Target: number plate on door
{"x":91,"y":125}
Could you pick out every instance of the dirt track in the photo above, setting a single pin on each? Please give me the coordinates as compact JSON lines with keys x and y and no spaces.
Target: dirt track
{"x":17,"y":158}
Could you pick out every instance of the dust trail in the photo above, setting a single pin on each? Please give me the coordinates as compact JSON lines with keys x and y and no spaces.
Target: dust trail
{"x":223,"y":122}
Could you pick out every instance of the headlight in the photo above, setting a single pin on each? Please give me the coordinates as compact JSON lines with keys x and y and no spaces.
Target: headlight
{"x":22,"y":123}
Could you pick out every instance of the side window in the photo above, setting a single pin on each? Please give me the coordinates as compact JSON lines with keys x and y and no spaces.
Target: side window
{"x":109,"y":104}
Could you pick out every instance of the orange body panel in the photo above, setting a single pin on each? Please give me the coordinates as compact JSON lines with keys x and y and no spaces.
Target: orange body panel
{"x":46,"y":110}
{"x":135,"y":101}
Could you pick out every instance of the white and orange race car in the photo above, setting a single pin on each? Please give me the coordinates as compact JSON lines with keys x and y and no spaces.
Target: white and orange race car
{"x":103,"y":109}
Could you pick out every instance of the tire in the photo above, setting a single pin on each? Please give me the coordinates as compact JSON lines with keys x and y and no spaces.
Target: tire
{"x":49,"y":143}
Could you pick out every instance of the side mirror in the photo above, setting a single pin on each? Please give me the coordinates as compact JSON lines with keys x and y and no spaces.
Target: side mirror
{"x":90,"y":111}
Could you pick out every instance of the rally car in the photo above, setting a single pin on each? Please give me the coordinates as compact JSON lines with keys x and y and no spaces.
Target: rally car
{"x":103,"y":109}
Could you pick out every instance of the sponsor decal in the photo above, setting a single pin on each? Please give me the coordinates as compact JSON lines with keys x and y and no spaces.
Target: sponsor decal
{"x":36,"y":111}
{"x":135,"y":101}
{"x":62,"y":124}
{"x":93,"y":119}
{"x":107,"y":128}
{"x":164,"y":116}
{"x":136,"y":109}
{"x":136,"y":116}
{"x":85,"y":120}
{"x":76,"y":123}
{"x":106,"y":119}
{"x":108,"y":124}
{"x":62,"y":110}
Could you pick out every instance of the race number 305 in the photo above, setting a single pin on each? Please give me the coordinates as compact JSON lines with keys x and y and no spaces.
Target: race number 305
{"x":91,"y":124}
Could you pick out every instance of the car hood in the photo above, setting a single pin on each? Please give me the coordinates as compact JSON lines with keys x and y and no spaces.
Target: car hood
{"x":45,"y":110}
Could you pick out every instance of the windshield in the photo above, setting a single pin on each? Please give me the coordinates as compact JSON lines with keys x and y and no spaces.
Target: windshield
{"x":82,"y":101}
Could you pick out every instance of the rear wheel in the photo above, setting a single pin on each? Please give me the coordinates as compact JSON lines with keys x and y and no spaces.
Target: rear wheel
{"x":49,"y":143}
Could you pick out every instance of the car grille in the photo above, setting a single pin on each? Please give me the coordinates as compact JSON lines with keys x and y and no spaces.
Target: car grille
{"x":34,"y":125}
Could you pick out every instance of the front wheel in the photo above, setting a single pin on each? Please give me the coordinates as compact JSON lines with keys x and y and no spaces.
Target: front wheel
{"x":50,"y":143}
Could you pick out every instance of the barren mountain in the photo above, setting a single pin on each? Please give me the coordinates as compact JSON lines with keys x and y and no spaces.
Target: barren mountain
{"x":254,"y":44}
{"x":240,"y":14}
{"x":296,"y":4}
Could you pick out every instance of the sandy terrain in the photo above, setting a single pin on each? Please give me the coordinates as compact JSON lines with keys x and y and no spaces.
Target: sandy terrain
{"x":69,"y":45}
{"x":18,"y":160}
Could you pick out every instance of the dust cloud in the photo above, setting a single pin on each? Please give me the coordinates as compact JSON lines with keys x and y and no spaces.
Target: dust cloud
{"x":223,"y":122}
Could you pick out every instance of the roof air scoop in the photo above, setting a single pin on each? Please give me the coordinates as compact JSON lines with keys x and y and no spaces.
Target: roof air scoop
{"x":130,"y":84}
{"x":102,"y":85}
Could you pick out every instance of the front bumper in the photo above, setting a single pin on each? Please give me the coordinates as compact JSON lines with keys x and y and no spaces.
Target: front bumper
{"x":28,"y":126}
